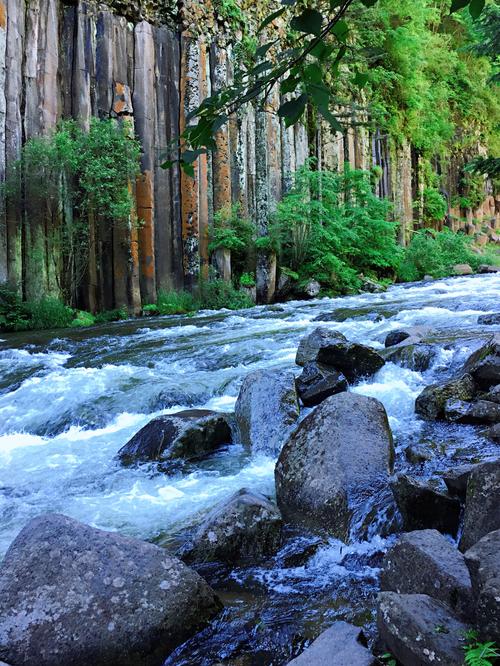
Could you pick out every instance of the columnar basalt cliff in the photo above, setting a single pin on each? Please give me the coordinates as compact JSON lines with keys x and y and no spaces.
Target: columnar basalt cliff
{"x":151,"y":63}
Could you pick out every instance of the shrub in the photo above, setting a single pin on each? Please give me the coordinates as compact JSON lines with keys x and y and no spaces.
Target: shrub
{"x":435,"y":205}
{"x":217,"y":294}
{"x":13,"y":313}
{"x":176,"y":302}
{"x":49,"y":313}
{"x":479,"y":654}
{"x":232,"y":232}
{"x":247,"y":280}
{"x":109,"y":316}
{"x":82,"y":319}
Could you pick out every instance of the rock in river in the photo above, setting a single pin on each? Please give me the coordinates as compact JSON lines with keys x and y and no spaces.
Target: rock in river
{"x":489,"y":319}
{"x":267,"y":409}
{"x":183,"y":435}
{"x":72,"y":594}
{"x":246,"y":526}
{"x":482,"y":505}
{"x":480,"y":411}
{"x":339,"y":455}
{"x":318,"y":382}
{"x":484,"y":364}
{"x":337,"y":646}
{"x":430,"y":404}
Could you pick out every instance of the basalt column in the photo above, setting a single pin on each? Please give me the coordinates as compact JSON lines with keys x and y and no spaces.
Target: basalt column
{"x":402,"y":190}
{"x":3,"y":226}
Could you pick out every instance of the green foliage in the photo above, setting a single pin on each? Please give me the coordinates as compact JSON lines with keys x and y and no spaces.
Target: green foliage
{"x":332,"y":228}
{"x":435,"y":253}
{"x":13,"y":313}
{"x":109,"y":316}
{"x":247,"y":280}
{"x":83,"y":319}
{"x":176,"y":302}
{"x":480,"y":654}
{"x":49,"y":313}
{"x":230,"y":230}
{"x":216,"y":294}
{"x":435,"y":206}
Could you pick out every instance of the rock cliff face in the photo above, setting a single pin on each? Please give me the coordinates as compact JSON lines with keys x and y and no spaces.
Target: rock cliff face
{"x":152,"y":62}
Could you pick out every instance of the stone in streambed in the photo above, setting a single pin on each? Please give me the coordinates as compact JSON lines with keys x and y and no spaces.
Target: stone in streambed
{"x":414,"y":333}
{"x":188,"y":434}
{"x":318,"y":382}
{"x":340,"y":645}
{"x":489,"y":319}
{"x":418,"y":357}
{"x":425,"y":562}
{"x":430,"y":404}
{"x":310,"y":345}
{"x":339,"y":455}
{"x":482,"y":505}
{"x":72,"y":594}
{"x":478,"y":412}
{"x":484,"y":364}
{"x":266,"y":410}
{"x":494,"y":433}
{"x":246,"y":526}
{"x":456,"y":480}
{"x":420,"y":631}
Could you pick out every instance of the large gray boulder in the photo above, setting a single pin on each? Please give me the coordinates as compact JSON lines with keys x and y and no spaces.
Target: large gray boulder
{"x":480,"y":411}
{"x":341,"y":453}
{"x":425,"y":562}
{"x":339,"y":645}
{"x":181,"y":436}
{"x":419,"y":631}
{"x":456,"y":480}
{"x":430,"y":404}
{"x":266,"y":410}
{"x":494,"y":433}
{"x":318,"y":382}
{"x":72,"y":594}
{"x":246,"y":526}
{"x":483,"y":560}
{"x":482,"y":505}
{"x":418,"y":356}
{"x":332,"y":349}
{"x":423,"y":506}
{"x":484,"y":364}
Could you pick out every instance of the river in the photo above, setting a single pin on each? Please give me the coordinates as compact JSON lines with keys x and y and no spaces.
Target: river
{"x":69,"y":402}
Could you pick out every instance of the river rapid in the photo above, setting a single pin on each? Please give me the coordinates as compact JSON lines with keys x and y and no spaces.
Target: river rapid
{"x":68,"y":403}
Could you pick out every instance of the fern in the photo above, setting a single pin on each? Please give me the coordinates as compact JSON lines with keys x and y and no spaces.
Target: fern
{"x":480,"y":654}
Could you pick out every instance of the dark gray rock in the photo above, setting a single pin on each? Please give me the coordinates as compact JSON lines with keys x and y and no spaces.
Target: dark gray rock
{"x":395,"y":337}
{"x":488,"y":611}
{"x":332,"y":349}
{"x":311,"y":289}
{"x":488,"y":268}
{"x":72,"y":594}
{"x":246,"y":526}
{"x":484,"y":364}
{"x":425,"y":562}
{"x":489,"y":319}
{"x":318,"y":382}
{"x":419,"y":630}
{"x":343,"y":641}
{"x":413,"y":333}
{"x":418,"y":357}
{"x":341,"y":453}
{"x":418,"y":454}
{"x":482,"y":505}
{"x":424,"y":507}
{"x":371,"y":286}
{"x":493,"y":394}
{"x":480,"y":411}
{"x":483,"y":560}
{"x":431,"y":402}
{"x":267,"y":410}
{"x":494,"y":433}
{"x":456,"y":480}
{"x":184,"y":435}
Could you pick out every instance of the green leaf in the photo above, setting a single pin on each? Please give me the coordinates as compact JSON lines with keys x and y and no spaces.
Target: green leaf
{"x":341,"y":30}
{"x":369,"y":3}
{"x":289,"y":84}
{"x":476,"y":7}
{"x":319,"y":94}
{"x":187,"y":168}
{"x":261,"y":67}
{"x":189,"y":156}
{"x":269,"y":19}
{"x":310,"y":22}
{"x":458,"y":4}
{"x":262,"y":50}
{"x":292,"y":110}
{"x":321,"y":51}
{"x":361,"y":79}
{"x":330,"y":118}
{"x":289,"y":3}
{"x":313,"y":73}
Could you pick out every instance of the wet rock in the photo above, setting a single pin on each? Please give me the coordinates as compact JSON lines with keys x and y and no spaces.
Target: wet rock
{"x":493,"y":394}
{"x":339,"y":455}
{"x":418,"y":357}
{"x":413,"y":333}
{"x":246,"y":526}
{"x":342,"y":640}
{"x":266,"y":410}
{"x":483,"y":560}
{"x":312,"y":289}
{"x":462,"y":269}
{"x":488,"y":268}
{"x":431,"y":402}
{"x":494,"y":433}
{"x":184,"y":435}
{"x":298,"y":554}
{"x":419,"y":630}
{"x":480,"y":411}
{"x":482,"y":505}
{"x":425,"y":562}
{"x":423,"y":506}
{"x":456,"y":480}
{"x":418,"y":454}
{"x":395,"y":337}
{"x":371,"y":286}
{"x":310,"y":345}
{"x":318,"y":382}
{"x":72,"y":594}
{"x":489,"y":319}
{"x":484,"y":364}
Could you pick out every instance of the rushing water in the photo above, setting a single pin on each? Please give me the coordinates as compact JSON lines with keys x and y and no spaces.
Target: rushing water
{"x":67,"y":404}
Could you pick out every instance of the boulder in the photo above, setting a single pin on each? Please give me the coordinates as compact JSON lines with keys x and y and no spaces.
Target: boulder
{"x":341,"y":453}
{"x":483,"y":560}
{"x":311,"y":289}
{"x":424,"y":507}
{"x":431,"y":402}
{"x":318,"y":382}
{"x":456,"y":480}
{"x":418,"y":357}
{"x":425,"y":562}
{"x":494,"y":433}
{"x":343,"y":641}
{"x":371,"y":286}
{"x":395,"y":337}
{"x":488,"y":611}
{"x":462,"y":269}
{"x":488,"y":268}
{"x":480,"y":411}
{"x":246,"y":526}
{"x":184,"y":435}
{"x":419,"y":631}
{"x":266,"y":410}
{"x":72,"y":594}
{"x":493,"y":394}
{"x":332,"y":349}
{"x":415,"y":333}
{"x":484,"y":364}
{"x":489,"y":319}
{"x":482,"y":505}
{"x":418,"y":454}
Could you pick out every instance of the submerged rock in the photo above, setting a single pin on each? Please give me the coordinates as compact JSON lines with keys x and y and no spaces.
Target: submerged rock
{"x":480,"y":411}
{"x":318,"y":382}
{"x":430,"y":404}
{"x":246,"y":526}
{"x":484,"y":364}
{"x":482,"y":505}
{"x":184,"y":435}
{"x":424,"y":507}
{"x":489,"y":319}
{"x":419,"y":630}
{"x":72,"y":594}
{"x":339,"y":455}
{"x":266,"y":410}
{"x":418,"y":357}
{"x":395,"y":337}
{"x":340,"y":645}
{"x":483,"y":560}
{"x":425,"y":562}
